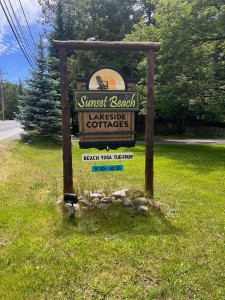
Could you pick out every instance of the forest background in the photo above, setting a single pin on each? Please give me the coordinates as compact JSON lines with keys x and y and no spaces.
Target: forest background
{"x":190,"y":73}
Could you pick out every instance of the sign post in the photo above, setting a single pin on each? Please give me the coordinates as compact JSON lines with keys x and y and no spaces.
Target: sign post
{"x":150,"y":48}
{"x":149,"y":125}
{"x":66,"y":133}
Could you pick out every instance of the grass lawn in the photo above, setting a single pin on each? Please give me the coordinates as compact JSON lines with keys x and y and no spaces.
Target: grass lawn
{"x":175,"y":253}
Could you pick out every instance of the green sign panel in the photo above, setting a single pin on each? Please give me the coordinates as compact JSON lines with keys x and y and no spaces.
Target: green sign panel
{"x":106,"y":100}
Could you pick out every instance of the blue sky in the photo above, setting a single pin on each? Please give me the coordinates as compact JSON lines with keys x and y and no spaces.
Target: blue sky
{"x":12,"y":59}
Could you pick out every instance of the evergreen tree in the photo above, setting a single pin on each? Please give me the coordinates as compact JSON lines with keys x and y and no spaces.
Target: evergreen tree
{"x":108,"y":20}
{"x":39,"y":104}
{"x":11,"y":100}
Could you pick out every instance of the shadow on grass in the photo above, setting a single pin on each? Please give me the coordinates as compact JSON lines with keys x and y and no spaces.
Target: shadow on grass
{"x":118,"y":220}
{"x":38,"y":142}
{"x":201,"y":157}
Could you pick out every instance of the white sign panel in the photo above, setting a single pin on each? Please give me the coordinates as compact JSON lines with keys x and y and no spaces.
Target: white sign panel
{"x":106,"y":157}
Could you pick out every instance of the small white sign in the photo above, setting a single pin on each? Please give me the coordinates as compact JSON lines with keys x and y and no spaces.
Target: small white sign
{"x":106,"y":157}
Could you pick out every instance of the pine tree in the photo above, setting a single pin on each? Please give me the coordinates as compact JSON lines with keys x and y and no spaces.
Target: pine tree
{"x":39,"y":104}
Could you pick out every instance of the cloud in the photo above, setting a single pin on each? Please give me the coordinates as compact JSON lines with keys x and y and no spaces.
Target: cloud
{"x":8,"y":43}
{"x":32,"y":11}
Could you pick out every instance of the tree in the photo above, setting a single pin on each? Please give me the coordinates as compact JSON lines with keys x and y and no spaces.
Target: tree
{"x":96,"y":20}
{"x":39,"y":104}
{"x":190,"y":66}
{"x":10,"y":91}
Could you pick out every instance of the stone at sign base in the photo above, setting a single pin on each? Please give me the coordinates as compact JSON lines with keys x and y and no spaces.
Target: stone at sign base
{"x":119,"y":194}
{"x":141,"y":201}
{"x":103,"y":206}
{"x":84,"y":202}
{"x":95,"y":201}
{"x":143,"y":208}
{"x":72,"y":208}
{"x":96,"y":195}
{"x":124,"y":197}
{"x":127,"y":202}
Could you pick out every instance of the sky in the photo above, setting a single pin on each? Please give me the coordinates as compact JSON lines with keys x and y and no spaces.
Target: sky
{"x":12,"y":59}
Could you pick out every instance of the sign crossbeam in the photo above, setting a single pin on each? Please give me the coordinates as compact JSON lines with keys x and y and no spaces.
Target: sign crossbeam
{"x":106,"y":45}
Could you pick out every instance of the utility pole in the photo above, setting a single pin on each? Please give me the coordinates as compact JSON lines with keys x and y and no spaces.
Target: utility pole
{"x":2,"y":95}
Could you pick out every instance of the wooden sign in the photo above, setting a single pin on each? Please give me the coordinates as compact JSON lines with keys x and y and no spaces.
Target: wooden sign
{"x":106,"y":122}
{"x":106,"y":111}
{"x":99,"y":129}
{"x":106,"y":101}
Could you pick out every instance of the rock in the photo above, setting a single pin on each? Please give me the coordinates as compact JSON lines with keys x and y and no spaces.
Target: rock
{"x":76,"y":207}
{"x":138,"y":194}
{"x":141,"y":201}
{"x":72,"y":208}
{"x":95,"y":201}
{"x":59,"y":200}
{"x":155,"y":204}
{"x":103,"y":206}
{"x":107,"y":200}
{"x":119,"y":194}
{"x":100,"y":191}
{"x":117,"y":201}
{"x":86,"y":193}
{"x":95,"y":195}
{"x":127,"y":202}
{"x":127,"y":191}
{"x":68,"y":206}
{"x":142,"y":208}
{"x":84,"y":202}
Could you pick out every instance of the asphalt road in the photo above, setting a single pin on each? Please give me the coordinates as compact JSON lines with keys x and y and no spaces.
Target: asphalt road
{"x":191,"y":141}
{"x":10,"y":130}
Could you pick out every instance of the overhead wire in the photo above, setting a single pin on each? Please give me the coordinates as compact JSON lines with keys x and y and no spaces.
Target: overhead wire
{"x":23,"y":22}
{"x":27,"y":24}
{"x":21,"y":32}
{"x":16,"y":33}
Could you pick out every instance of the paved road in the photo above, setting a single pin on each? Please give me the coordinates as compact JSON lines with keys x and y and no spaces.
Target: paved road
{"x":10,"y":130}
{"x":191,"y":141}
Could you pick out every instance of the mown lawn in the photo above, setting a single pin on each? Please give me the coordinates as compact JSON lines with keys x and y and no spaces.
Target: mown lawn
{"x":175,"y":253}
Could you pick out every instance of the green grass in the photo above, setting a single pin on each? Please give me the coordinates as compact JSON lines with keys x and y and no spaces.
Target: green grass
{"x":175,"y":253}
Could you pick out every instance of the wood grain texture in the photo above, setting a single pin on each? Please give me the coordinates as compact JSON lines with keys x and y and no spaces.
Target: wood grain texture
{"x":149,"y":126}
{"x":106,"y":45}
{"x":66,"y":134}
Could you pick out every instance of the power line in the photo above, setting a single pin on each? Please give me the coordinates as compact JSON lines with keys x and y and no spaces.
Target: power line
{"x":21,"y":42}
{"x":16,"y":34}
{"x":21,"y":30}
{"x":28,"y":25}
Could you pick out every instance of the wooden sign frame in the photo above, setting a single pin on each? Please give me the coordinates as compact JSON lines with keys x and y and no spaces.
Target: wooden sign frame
{"x":64,"y":47}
